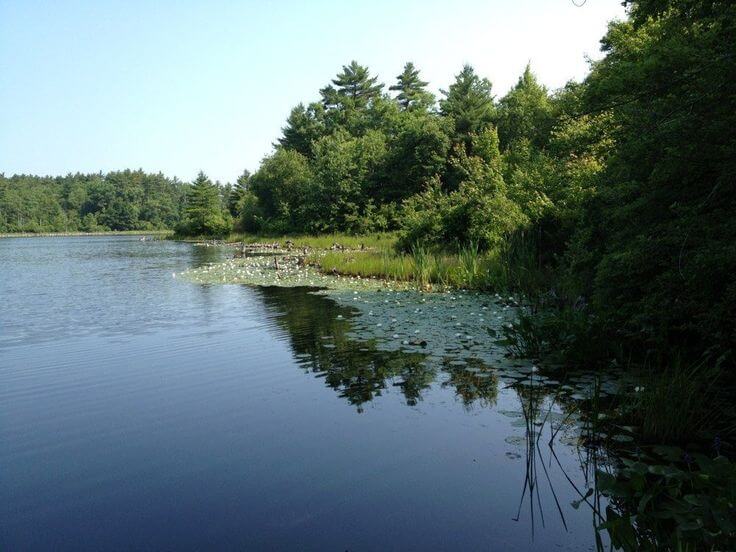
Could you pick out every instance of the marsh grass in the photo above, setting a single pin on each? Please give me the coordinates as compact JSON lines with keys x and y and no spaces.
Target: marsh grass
{"x":468,"y":268}
{"x":421,"y":266}
{"x":374,"y":242}
{"x":515,"y":265}
{"x":511,"y":267}
{"x":676,"y":405}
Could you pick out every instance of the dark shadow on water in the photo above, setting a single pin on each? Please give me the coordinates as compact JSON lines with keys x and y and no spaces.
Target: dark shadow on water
{"x":358,"y":371}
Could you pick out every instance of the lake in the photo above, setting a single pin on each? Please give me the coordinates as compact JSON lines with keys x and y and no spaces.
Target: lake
{"x":140,"y":410}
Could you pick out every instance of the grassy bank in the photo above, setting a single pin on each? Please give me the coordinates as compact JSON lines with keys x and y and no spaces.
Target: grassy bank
{"x":509,"y":268}
{"x":373,"y":242}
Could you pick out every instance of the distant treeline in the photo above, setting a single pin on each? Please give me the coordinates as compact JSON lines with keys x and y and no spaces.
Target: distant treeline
{"x":122,"y":200}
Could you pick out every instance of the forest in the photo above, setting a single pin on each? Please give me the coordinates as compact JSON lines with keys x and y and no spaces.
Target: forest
{"x":120,"y":200}
{"x":613,"y":197}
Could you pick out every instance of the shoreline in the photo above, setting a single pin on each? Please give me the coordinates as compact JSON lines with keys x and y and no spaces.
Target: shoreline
{"x":83,"y":234}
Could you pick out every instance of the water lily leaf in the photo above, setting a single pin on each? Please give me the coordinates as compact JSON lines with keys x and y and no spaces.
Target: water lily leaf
{"x":669,"y":453}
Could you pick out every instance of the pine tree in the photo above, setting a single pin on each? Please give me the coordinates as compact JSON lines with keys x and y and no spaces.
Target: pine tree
{"x":469,"y":102}
{"x":411,"y":89}
{"x":525,"y":113}
{"x":237,"y":193}
{"x":303,"y":127}
{"x":355,"y":84}
{"x":204,"y":216}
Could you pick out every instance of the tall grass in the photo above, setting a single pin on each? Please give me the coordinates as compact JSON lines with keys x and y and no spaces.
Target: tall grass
{"x":366,"y":264}
{"x":514,"y":265}
{"x":420,"y":265}
{"x":469,"y":268}
{"x":677,"y":404}
{"x":510,"y":267}
{"x":377,"y":241}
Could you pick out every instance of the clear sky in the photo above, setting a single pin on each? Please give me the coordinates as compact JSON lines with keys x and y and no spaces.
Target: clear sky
{"x":180,"y":85}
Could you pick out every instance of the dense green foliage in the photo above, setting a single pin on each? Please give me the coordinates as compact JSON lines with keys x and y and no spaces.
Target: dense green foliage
{"x":660,"y":233}
{"x":467,"y":169}
{"x":623,"y":183}
{"x":671,"y":500}
{"x":120,"y":200}
{"x":124,"y":200}
{"x":205,"y":214}
{"x":620,"y":186}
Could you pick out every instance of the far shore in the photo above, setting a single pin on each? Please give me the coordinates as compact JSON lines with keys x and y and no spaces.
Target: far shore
{"x":72,"y":234}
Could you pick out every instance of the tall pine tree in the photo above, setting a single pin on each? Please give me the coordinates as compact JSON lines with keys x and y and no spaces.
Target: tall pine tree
{"x":354,"y":84}
{"x":204,"y":215}
{"x":303,"y":127}
{"x":237,"y":193}
{"x":411,"y":89}
{"x":469,"y":102}
{"x":525,"y":113}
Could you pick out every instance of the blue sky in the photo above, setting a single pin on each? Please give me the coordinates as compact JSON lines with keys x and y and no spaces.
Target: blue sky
{"x":177,"y":85}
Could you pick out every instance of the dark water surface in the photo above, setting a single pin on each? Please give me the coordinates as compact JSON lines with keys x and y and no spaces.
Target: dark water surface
{"x":140,"y":411}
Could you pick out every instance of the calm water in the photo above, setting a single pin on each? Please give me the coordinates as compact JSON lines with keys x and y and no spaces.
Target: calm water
{"x":139,"y":411}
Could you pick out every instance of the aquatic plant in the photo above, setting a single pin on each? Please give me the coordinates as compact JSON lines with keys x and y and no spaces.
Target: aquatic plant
{"x":470,"y":265}
{"x":567,"y":335}
{"x":679,"y":404}
{"x":421,"y":266}
{"x":669,"y":499}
